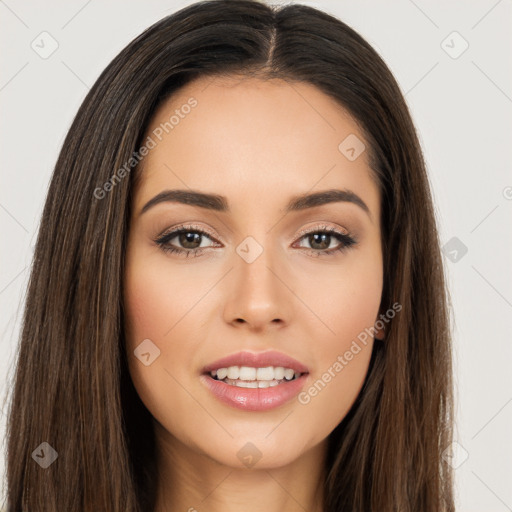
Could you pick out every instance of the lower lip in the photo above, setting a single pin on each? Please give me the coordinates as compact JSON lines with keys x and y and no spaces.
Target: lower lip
{"x":255,"y":399}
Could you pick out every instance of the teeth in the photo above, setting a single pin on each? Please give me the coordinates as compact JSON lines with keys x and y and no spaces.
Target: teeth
{"x":279,"y":373}
{"x":248,"y":373}
{"x":234,"y":372}
{"x":289,"y":373}
{"x":265,"y":373}
{"x":222,"y":373}
{"x":252,"y":384}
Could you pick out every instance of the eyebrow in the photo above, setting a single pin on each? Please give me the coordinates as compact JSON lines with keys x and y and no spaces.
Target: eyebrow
{"x":220,"y":203}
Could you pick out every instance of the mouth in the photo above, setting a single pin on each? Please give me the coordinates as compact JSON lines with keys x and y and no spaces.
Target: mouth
{"x":258,"y":360}
{"x":255,"y":381}
{"x":254,"y":395}
{"x":252,"y":377}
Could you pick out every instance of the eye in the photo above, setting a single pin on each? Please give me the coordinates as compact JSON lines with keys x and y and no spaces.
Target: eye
{"x":191,"y":237}
{"x":320,"y":240}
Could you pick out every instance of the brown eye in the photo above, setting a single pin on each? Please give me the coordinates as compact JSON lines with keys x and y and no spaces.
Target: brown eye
{"x":184,"y":240}
{"x":189,"y":239}
{"x":321,"y":239}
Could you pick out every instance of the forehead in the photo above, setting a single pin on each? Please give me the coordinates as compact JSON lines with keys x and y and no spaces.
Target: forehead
{"x":267,"y":138}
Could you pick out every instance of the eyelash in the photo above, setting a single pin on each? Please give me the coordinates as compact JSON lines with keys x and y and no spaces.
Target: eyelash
{"x":346,"y":240}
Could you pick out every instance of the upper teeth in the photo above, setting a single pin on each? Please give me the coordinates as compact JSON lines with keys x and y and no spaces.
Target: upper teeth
{"x":250,"y":373}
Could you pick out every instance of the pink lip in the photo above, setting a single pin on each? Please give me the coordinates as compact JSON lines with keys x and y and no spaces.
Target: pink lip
{"x":257,"y":360}
{"x":254,"y":399}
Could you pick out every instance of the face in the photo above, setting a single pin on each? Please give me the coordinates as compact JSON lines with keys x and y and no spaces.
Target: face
{"x":255,"y":275}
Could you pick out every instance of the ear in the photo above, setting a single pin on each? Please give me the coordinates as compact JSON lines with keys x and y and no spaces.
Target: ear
{"x":380,"y":335}
{"x":380,"y":332}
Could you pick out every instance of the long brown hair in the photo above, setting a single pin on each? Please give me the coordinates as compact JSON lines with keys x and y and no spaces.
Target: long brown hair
{"x":72,"y":388}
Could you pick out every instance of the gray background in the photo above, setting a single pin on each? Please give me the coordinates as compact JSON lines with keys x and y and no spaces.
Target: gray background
{"x":460,"y":102}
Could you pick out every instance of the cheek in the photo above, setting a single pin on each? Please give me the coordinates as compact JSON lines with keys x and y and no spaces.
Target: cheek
{"x":157,"y":299}
{"x":353,"y":308}
{"x":342,"y":359}
{"x":344,"y":299}
{"x":149,"y":309}
{"x":348,"y":307}
{"x":161,"y":304}
{"x":141,"y":308}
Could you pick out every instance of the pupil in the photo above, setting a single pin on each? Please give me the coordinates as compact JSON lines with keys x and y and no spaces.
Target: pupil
{"x":321,"y":236}
{"x":188,"y":238}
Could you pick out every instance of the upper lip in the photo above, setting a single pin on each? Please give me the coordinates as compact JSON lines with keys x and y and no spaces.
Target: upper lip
{"x":257,"y":360}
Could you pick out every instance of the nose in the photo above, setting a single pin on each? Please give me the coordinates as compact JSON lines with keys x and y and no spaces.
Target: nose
{"x":258,"y":295}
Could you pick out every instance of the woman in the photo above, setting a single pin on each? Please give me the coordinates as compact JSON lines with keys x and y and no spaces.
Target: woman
{"x":237,"y":299}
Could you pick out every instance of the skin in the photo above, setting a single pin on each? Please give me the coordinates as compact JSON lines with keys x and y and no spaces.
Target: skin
{"x":258,"y":143}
